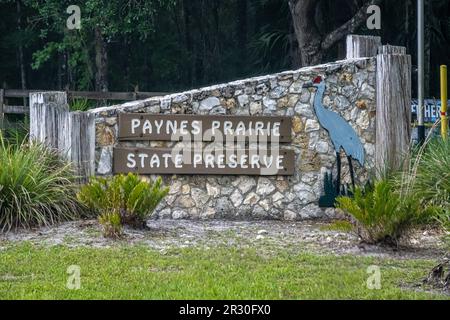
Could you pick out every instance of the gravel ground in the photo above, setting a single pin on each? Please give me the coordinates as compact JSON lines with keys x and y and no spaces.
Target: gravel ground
{"x":267,"y":236}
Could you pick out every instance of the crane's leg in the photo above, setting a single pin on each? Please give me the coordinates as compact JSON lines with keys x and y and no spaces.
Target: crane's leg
{"x":352,"y":173}
{"x":338,"y":178}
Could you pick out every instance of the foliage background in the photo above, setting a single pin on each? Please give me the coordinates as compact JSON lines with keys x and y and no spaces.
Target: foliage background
{"x":172,"y":45}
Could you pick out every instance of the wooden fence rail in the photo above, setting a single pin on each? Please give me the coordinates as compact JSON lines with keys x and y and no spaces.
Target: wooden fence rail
{"x":20,"y":109}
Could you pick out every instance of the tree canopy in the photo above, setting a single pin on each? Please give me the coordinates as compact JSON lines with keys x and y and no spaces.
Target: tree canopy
{"x":171,"y":45}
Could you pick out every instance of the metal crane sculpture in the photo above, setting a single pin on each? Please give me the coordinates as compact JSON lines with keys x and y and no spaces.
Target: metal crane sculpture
{"x":342,"y":135}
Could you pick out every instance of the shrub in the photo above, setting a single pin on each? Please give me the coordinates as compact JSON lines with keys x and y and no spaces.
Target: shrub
{"x":36,"y":187}
{"x":382,"y":213}
{"x":16,"y":132}
{"x":402,"y":200}
{"x":122,"y":196}
{"x":428,"y":176}
{"x":112,"y":224}
{"x":79,"y":105}
{"x":432,"y":176}
{"x":443,"y":218}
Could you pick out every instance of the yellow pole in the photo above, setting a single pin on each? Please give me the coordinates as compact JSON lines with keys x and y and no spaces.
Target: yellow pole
{"x":444,"y":103}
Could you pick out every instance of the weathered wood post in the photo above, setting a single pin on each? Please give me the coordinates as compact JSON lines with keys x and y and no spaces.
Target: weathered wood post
{"x":82,"y":143}
{"x":362,"y":46}
{"x":49,"y":115}
{"x":393,"y":120}
{"x":72,"y":134}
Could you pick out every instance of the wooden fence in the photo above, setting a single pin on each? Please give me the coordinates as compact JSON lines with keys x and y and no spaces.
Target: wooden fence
{"x":6,"y":108}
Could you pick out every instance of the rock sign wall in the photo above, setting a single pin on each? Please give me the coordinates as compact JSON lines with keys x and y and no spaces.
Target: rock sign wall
{"x":371,"y":94}
{"x":350,"y":92}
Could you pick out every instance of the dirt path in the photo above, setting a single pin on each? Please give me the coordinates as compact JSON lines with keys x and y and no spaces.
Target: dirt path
{"x":268,"y":236}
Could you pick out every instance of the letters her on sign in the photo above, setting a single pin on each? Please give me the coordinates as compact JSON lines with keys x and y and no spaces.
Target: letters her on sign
{"x":223,"y":162}
{"x":139,"y":127}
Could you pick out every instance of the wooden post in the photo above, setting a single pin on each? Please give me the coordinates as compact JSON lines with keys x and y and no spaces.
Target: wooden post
{"x":82,"y":143}
{"x":72,"y":134}
{"x":2,"y":115}
{"x":388,"y":49}
{"x":362,"y":46}
{"x":49,"y":120}
{"x":393,"y":120}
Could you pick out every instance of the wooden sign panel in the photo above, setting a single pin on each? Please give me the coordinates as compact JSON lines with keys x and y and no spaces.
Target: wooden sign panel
{"x":139,"y":127}
{"x":224,"y":162}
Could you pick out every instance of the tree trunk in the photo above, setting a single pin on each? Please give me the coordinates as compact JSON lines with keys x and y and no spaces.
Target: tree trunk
{"x":101,"y":62}
{"x":242,"y":30}
{"x":68,"y":69}
{"x":407,"y":25}
{"x":59,"y":72}
{"x":306,"y":31}
{"x":427,"y":67}
{"x":187,"y":14}
{"x":200,"y":44}
{"x":312,"y":44}
{"x":23,"y":76}
{"x":213,"y":42}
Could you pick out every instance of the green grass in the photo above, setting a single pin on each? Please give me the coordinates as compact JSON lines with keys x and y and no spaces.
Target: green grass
{"x":134,"y":272}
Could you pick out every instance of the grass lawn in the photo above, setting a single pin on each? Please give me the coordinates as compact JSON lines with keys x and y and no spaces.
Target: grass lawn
{"x":134,"y":272}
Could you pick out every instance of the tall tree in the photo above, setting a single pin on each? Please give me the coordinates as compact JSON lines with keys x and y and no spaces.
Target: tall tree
{"x":102,"y":22}
{"x":313,"y":45}
{"x":172,"y":45}
{"x":101,"y":61}
{"x":23,"y":76}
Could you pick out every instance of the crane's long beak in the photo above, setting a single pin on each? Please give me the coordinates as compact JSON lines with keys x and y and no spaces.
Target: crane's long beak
{"x":308,"y":84}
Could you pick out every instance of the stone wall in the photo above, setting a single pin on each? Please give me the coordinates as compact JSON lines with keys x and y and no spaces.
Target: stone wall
{"x":350,"y":92}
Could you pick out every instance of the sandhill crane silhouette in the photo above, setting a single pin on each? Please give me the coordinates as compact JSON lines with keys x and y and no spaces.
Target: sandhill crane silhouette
{"x":342,"y":135}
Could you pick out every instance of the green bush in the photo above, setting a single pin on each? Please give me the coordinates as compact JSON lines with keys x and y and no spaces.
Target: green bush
{"x":428,"y":176}
{"x":36,"y":187}
{"x":402,"y":200}
{"x":112,"y":224}
{"x":382,"y":213}
{"x":79,"y":105}
{"x":124,"y":196}
{"x":16,"y":132}
{"x":432,"y":176}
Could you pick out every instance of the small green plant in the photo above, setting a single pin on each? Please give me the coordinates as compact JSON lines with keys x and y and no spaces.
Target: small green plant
{"x":123,"y":196}
{"x":418,"y":194}
{"x":15,"y":132}
{"x":37,"y":187}
{"x":382,"y":213}
{"x":112,"y":224}
{"x":432,"y":176}
{"x":427,"y":175}
{"x":79,"y":105}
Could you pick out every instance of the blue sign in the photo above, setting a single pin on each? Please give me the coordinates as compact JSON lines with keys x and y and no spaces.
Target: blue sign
{"x":432,"y":109}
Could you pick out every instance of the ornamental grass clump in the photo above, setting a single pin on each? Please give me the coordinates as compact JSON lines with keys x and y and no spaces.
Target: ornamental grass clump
{"x":432,"y":180}
{"x":381,"y":213}
{"x":37,"y":187}
{"x":431,"y":174}
{"x":122,"y":200}
{"x":418,"y":194}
